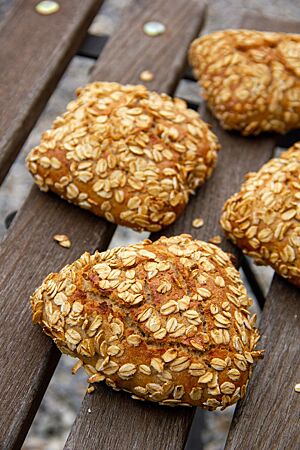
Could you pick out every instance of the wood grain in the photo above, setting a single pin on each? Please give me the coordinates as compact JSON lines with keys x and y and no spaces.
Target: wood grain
{"x":239,"y":156}
{"x":268,"y":418}
{"x":112,"y":420}
{"x":158,"y":54}
{"x":106,"y":426}
{"x":34,"y":52}
{"x":28,"y":254}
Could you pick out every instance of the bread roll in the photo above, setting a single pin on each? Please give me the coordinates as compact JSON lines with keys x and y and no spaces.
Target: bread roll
{"x":264,"y":217}
{"x":166,"y":321}
{"x":250,"y":79}
{"x":126,"y":154}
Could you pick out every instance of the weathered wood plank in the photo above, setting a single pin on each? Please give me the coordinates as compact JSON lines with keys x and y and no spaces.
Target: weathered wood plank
{"x":112,"y":420}
{"x":269,"y":415}
{"x":269,"y":418}
{"x":29,"y":253}
{"x":34,"y":53}
{"x":239,"y":156}
{"x":182,"y":21}
{"x":264,"y":23}
{"x":155,"y":427}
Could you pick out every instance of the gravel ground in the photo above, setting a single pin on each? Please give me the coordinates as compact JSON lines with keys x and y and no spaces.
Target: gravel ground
{"x":65,"y":392}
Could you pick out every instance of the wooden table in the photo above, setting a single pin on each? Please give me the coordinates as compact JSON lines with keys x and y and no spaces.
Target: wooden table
{"x":30,"y":68}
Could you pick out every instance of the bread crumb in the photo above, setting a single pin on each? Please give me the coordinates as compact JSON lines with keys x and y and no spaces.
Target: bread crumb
{"x":146,"y":75}
{"x":215,"y":239}
{"x":198,"y":222}
{"x":90,"y":389}
{"x":297,"y":387}
{"x":62,"y":240}
{"x":76,"y":367}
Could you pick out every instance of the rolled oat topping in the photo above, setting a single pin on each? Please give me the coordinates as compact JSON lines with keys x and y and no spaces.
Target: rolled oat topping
{"x":250,"y":79}
{"x":166,"y":321}
{"x":126,"y":154}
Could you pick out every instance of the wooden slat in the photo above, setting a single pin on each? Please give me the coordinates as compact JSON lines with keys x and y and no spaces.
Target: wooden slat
{"x":103,"y":419}
{"x":29,"y":253}
{"x":27,"y":356}
{"x":238,"y":152}
{"x":182,"y":23}
{"x":112,"y":420}
{"x":269,"y":416}
{"x":34,"y":52}
{"x":103,"y":426}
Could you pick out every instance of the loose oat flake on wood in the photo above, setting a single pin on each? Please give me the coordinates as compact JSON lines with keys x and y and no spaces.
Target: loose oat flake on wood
{"x":63,"y":240}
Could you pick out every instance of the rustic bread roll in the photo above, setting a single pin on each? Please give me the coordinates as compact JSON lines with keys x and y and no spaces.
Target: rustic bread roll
{"x":126,"y":154}
{"x":166,"y":321}
{"x":250,"y":79}
{"x":264,"y":217}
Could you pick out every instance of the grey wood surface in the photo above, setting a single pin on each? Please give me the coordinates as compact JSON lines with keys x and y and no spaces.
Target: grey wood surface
{"x":28,"y":254}
{"x":131,"y":51}
{"x":238,"y":156}
{"x":107,"y":419}
{"x":34,"y":52}
{"x":105,"y":409}
{"x":268,"y":418}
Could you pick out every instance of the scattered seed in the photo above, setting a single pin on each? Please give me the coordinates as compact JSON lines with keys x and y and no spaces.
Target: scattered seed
{"x":63,"y":240}
{"x":215,"y":239}
{"x":146,"y":75}
{"x":198,"y":222}
{"x":77,"y":366}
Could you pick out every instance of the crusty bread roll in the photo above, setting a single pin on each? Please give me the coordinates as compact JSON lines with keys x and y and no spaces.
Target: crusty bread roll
{"x":264,"y":217}
{"x":126,"y":154}
{"x":250,"y":79}
{"x":166,"y":321}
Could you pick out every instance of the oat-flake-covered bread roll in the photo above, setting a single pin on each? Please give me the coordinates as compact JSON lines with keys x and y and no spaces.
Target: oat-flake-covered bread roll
{"x":264,"y":217}
{"x":166,"y":321}
{"x":250,"y":79}
{"x":126,"y":154}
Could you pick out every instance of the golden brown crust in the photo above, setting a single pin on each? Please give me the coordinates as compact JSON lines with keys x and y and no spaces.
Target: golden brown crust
{"x":264,"y":217}
{"x":126,"y":154}
{"x":166,"y":321}
{"x":251,"y":79}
